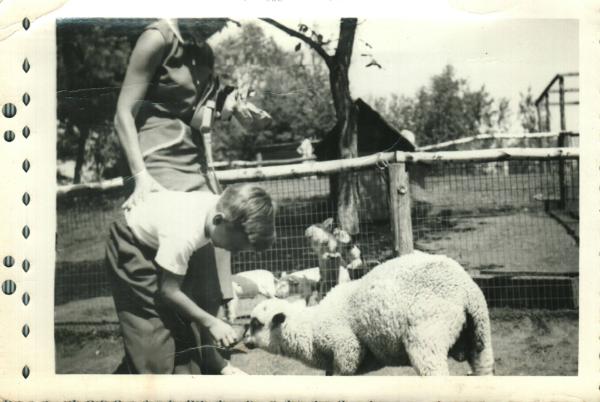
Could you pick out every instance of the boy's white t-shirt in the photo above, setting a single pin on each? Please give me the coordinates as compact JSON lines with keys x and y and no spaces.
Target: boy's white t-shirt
{"x":172,"y":222}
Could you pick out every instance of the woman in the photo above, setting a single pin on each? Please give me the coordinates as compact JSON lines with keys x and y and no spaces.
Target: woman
{"x":169,"y":78}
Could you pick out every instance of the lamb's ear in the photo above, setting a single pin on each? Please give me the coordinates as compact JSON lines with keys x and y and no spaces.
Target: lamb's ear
{"x":328,"y":224}
{"x":309,"y":231}
{"x":355,"y":252}
{"x":342,"y":236}
{"x":277,"y":320}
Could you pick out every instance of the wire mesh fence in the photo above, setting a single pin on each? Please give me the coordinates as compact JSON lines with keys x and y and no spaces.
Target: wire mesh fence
{"x":85,"y":215}
{"x":506,"y":223}
{"x":512,"y":224}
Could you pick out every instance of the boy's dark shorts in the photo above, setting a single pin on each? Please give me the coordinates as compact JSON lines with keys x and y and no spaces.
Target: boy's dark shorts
{"x":156,"y":339}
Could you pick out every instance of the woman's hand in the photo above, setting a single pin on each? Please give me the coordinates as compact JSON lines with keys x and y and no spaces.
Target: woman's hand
{"x":144,"y":184}
{"x":222,"y":332}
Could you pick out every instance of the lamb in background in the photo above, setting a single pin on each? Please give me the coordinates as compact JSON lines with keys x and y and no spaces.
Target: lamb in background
{"x":412,"y":310}
{"x":331,"y":245}
{"x":255,"y":282}
{"x":250,"y":284}
{"x":328,"y":243}
{"x":307,"y":281}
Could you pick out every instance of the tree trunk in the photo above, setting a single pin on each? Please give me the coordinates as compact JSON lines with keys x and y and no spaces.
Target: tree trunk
{"x":84,"y":132}
{"x":347,"y":194}
{"x":346,"y":190}
{"x":344,"y":187}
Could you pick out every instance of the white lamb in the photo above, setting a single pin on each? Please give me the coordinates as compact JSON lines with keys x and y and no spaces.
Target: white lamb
{"x":413,"y":310}
{"x":307,"y":281}
{"x":255,"y":282}
{"x":247,"y":285}
{"x":333,"y":248}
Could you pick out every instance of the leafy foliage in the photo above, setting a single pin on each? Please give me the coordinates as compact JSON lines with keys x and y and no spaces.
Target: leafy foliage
{"x":527,"y":112}
{"x":292,"y":86}
{"x":92,"y":58}
{"x":447,"y":109}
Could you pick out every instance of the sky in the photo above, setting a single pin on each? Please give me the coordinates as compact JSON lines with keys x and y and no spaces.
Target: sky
{"x":505,"y":55}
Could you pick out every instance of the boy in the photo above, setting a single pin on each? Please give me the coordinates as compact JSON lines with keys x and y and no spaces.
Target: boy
{"x":148,"y":257}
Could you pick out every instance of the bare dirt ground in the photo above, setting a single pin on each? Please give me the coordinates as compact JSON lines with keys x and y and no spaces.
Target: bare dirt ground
{"x":526,"y":342}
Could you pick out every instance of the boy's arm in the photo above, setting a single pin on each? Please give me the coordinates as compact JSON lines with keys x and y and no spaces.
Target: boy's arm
{"x":169,"y":287}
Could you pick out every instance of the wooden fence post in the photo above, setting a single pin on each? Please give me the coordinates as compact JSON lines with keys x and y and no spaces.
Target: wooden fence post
{"x":400,"y":208}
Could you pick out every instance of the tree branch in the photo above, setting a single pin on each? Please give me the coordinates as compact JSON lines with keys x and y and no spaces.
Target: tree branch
{"x":314,"y":45}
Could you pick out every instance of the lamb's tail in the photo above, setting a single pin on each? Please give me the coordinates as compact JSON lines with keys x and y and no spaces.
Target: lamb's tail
{"x":479,"y":349}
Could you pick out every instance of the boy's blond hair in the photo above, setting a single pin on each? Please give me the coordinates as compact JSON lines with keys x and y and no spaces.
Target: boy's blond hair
{"x":250,"y":207}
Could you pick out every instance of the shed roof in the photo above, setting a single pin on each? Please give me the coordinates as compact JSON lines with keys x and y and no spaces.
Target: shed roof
{"x":375,"y":134}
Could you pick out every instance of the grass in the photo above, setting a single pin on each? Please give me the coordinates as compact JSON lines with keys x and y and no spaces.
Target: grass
{"x":526,"y":342}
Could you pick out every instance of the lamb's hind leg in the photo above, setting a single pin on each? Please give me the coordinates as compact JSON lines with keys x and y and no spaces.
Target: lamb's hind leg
{"x":427,"y":350}
{"x":482,"y":361}
{"x":348,"y":353}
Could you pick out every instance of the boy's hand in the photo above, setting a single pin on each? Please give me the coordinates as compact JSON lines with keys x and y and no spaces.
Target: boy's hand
{"x":222,"y":332}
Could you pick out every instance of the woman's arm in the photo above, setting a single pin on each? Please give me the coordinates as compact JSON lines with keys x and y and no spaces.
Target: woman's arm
{"x":169,"y":286}
{"x":145,"y":59}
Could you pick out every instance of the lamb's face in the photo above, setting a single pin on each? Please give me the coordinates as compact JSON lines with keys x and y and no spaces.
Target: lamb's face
{"x":282,"y":288}
{"x":265,"y":325}
{"x":321,"y":241}
{"x":329,"y":242}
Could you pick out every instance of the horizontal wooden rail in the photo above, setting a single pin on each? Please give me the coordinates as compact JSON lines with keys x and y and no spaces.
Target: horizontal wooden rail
{"x":304,"y":169}
{"x":555,"y":91}
{"x":489,"y":155}
{"x":565,"y":103}
{"x":102,"y":185}
{"x":466,"y":140}
{"x":345,"y":165}
{"x":270,"y":162}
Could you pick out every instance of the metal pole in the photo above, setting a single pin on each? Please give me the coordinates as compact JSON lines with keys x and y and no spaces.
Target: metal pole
{"x":562,"y":136}
{"x":206,"y":130}
{"x":547,"y":102}
{"x":561,"y":94}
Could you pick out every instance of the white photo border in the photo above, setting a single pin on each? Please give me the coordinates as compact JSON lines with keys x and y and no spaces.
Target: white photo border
{"x":36,"y":351}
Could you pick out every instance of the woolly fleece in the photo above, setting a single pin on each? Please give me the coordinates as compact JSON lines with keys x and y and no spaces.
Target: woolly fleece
{"x":411,"y":310}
